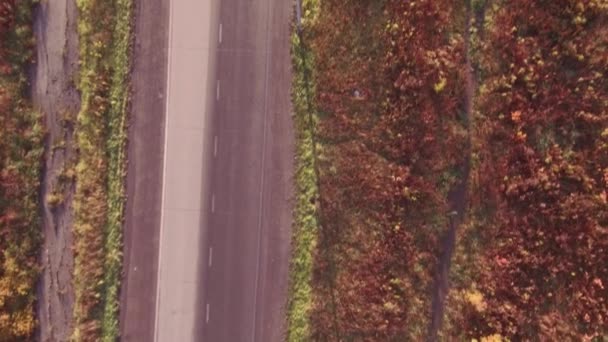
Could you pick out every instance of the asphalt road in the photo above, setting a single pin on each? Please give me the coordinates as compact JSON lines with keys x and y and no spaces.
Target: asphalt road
{"x":226,"y":214}
{"x":144,"y":173}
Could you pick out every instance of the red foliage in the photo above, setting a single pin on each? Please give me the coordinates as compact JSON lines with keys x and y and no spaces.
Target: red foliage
{"x":425,"y":65}
{"x":545,"y":102}
{"x":540,"y":167}
{"x":7,"y":8}
{"x":382,"y":153}
{"x":20,"y":156}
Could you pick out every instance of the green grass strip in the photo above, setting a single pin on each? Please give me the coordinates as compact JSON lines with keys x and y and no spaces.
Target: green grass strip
{"x":117,"y":121}
{"x":306,"y":223}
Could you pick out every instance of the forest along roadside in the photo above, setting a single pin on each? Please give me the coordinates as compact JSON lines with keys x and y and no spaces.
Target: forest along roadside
{"x":21,"y":152}
{"x":461,"y":154}
{"x":385,"y":105}
{"x":54,"y":94}
{"x":531,"y":255}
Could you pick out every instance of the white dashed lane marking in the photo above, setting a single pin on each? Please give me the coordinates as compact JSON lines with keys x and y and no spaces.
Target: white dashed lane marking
{"x":210,"y":256}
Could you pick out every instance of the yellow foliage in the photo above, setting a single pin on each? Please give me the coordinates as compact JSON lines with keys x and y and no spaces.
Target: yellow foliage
{"x":494,"y":338}
{"x":439,"y":86}
{"x":476,"y":299}
{"x":491,"y":338}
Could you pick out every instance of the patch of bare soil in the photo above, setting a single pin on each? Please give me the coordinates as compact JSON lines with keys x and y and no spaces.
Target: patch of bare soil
{"x":54,"y":94}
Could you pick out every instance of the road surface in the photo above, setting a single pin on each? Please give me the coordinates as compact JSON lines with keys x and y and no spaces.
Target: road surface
{"x":250,"y":176}
{"x":225,"y":212}
{"x":144,"y":173}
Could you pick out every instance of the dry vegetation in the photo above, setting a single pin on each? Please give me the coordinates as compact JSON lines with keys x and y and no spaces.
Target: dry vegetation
{"x":104,"y":35}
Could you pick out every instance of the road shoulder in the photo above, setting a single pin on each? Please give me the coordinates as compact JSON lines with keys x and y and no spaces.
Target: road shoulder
{"x":144,"y":173}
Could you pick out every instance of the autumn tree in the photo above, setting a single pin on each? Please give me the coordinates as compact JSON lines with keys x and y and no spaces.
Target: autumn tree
{"x":391,"y":134}
{"x":20,"y":157}
{"x":542,"y":130}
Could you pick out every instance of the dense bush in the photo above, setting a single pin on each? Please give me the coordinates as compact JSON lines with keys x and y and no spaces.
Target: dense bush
{"x":21,"y":148}
{"x":397,"y":123}
{"x":391,"y":136}
{"x":542,"y":130}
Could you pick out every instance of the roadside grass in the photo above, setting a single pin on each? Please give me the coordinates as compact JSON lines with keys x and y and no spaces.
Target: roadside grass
{"x":306,"y":223}
{"x":117,"y":166}
{"x":21,"y":150}
{"x":104,"y":29}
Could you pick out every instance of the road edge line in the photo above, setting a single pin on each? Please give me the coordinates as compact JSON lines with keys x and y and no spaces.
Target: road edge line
{"x":163,"y":195}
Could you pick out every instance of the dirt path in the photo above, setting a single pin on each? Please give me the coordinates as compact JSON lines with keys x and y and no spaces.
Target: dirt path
{"x":457,"y":199}
{"x":54,"y":95}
